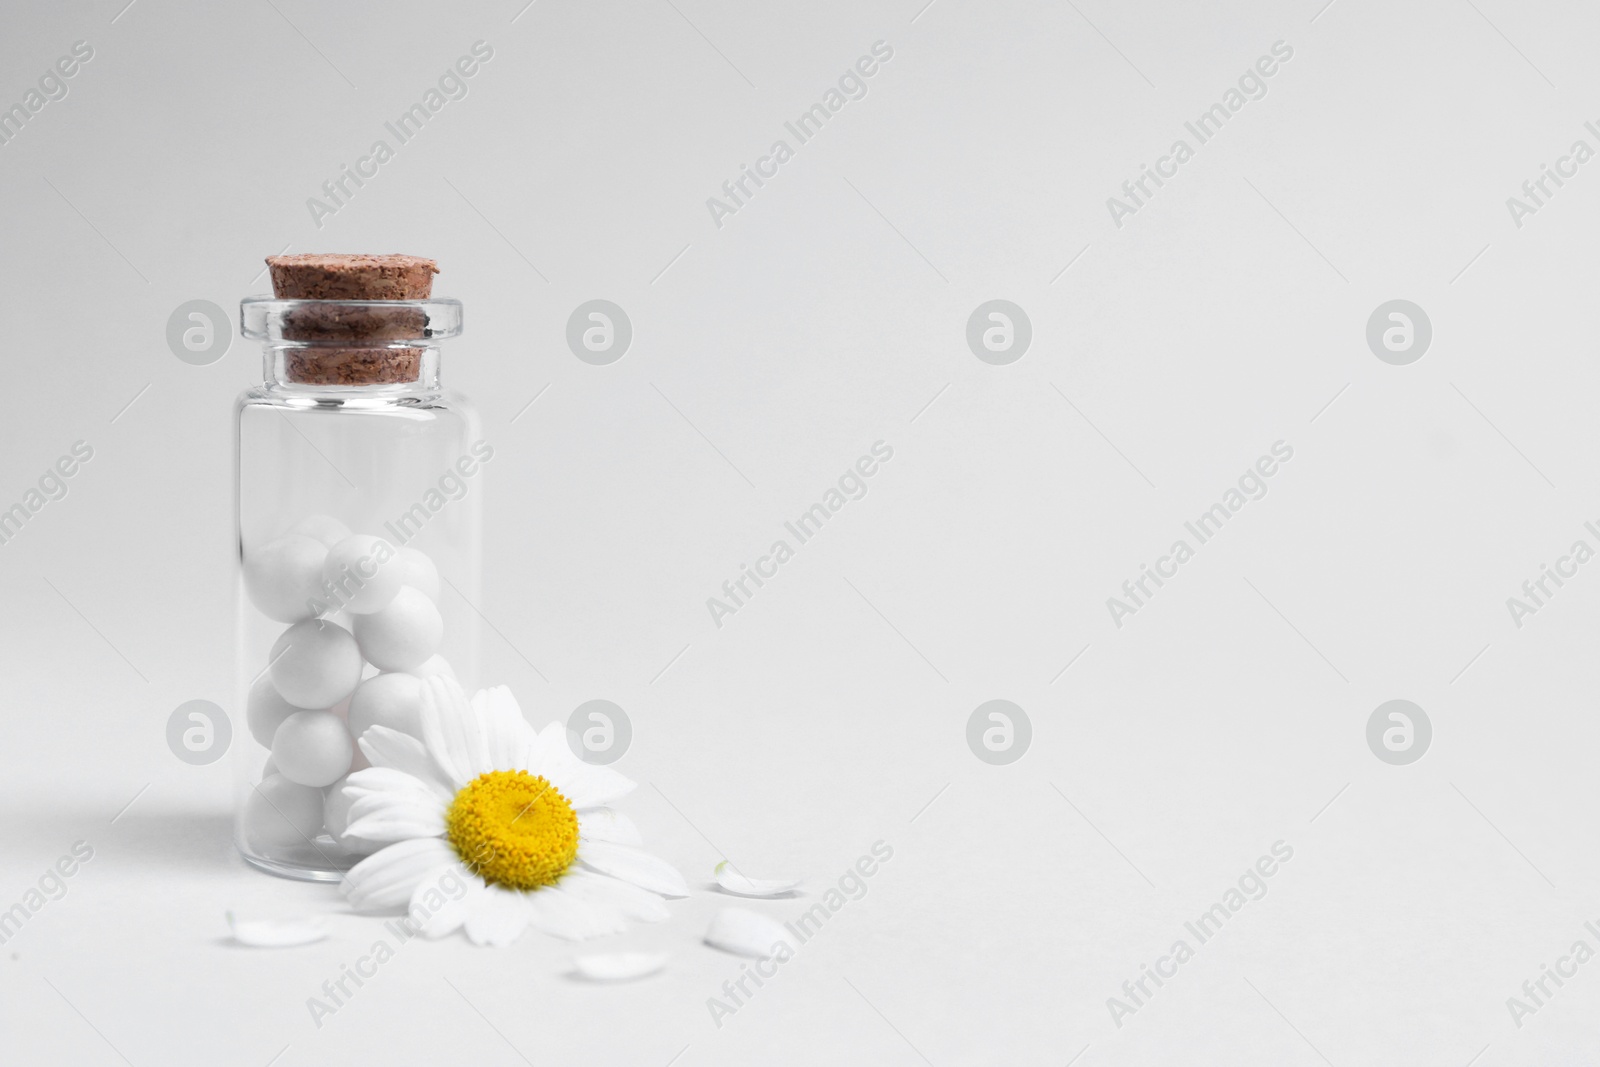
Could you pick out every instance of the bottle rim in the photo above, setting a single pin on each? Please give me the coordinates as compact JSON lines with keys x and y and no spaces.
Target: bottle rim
{"x":268,"y":319}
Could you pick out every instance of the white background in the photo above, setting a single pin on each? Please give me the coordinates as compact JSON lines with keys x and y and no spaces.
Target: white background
{"x":769,"y":354}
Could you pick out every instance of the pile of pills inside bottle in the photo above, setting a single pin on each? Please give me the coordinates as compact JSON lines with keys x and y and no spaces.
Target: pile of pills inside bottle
{"x":363,"y":629}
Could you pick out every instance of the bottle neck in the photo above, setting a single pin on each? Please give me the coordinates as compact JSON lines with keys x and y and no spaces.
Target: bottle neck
{"x":351,"y":372}
{"x":350,"y":350}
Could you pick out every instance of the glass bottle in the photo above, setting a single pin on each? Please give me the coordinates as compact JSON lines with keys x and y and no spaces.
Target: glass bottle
{"x":358,"y":498}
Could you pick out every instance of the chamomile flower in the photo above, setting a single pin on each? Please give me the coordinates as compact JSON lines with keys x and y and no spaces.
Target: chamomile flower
{"x":518,"y":819}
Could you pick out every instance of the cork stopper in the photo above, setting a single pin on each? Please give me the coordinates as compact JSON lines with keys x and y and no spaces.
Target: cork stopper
{"x":341,"y":277}
{"x":322,"y":276}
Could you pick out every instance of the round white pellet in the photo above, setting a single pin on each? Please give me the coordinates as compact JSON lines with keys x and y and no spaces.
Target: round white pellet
{"x":431,"y":666}
{"x":419,"y":572}
{"x":336,"y":809}
{"x":284,"y":577}
{"x":281,"y":813}
{"x":325,"y":528}
{"x":265,"y":711}
{"x":392,"y":700}
{"x":315,"y":664}
{"x":336,"y":818}
{"x":403,"y":634}
{"x":364,"y":571}
{"x":312,"y":748}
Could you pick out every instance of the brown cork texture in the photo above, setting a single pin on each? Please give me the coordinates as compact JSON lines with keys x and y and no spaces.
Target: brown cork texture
{"x":320,"y":276}
{"x":340,"y":277}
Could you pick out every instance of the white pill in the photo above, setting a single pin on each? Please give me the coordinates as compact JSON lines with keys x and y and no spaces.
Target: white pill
{"x":315,"y":664}
{"x":336,"y":806}
{"x":392,"y":700}
{"x":364,"y":571}
{"x":433,"y":665}
{"x":265,"y":711}
{"x":312,"y":748}
{"x":284,"y":577}
{"x":280,"y":814}
{"x":403,"y":634}
{"x":419,"y":572}
{"x":325,"y":528}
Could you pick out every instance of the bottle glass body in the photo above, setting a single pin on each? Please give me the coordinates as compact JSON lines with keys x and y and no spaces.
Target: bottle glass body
{"x":357,"y":519}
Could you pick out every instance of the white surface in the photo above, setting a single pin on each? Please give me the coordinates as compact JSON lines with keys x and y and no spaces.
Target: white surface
{"x":768,"y":355}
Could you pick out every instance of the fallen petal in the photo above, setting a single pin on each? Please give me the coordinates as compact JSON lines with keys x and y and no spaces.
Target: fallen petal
{"x":271,"y":933}
{"x":618,"y":966}
{"x":745,"y":933}
{"x":731,"y":881}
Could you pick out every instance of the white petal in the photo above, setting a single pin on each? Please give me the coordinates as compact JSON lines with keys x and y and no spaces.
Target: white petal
{"x":442,"y":900}
{"x":508,"y":731}
{"x":384,"y":747}
{"x":366,"y":804}
{"x":385,"y":817}
{"x":474,"y":735}
{"x":444,"y":731}
{"x":733,"y":882}
{"x":630,"y":900}
{"x":498,"y":916}
{"x":374,"y":780}
{"x":606,"y":824}
{"x":587,"y":786}
{"x":546,"y":754}
{"x":268,"y":933}
{"x":745,"y":933}
{"x":633,"y":865}
{"x":618,"y":966}
{"x":386,"y":878}
{"x":584,"y":785}
{"x":559,"y":913}
{"x":545,"y":748}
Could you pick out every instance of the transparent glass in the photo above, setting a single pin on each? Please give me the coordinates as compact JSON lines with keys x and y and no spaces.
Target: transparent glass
{"x":358,"y":501}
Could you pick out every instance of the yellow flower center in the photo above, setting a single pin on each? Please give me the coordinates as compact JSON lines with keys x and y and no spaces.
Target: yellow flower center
{"x":513,"y":828}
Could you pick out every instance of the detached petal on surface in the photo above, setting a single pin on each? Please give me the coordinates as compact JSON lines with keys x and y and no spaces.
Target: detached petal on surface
{"x":731,"y":881}
{"x":274,"y":933}
{"x":745,"y":933}
{"x":618,"y":966}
